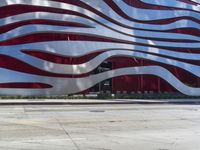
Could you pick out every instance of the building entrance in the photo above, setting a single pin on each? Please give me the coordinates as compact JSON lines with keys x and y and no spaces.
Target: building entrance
{"x":106,"y":85}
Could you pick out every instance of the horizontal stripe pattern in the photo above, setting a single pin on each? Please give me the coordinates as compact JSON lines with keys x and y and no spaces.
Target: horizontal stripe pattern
{"x":25,"y":85}
{"x":54,"y":46}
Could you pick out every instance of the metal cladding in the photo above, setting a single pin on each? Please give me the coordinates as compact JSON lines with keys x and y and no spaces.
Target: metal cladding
{"x":50,"y":47}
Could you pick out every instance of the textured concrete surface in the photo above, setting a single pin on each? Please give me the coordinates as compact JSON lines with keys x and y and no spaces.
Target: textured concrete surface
{"x":100,"y":127}
{"x":95,"y":101}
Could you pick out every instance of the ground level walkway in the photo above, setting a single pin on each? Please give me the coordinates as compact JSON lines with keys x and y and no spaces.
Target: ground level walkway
{"x":100,"y":127}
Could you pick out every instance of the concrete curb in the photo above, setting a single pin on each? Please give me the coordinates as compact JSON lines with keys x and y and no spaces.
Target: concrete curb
{"x":98,"y":102}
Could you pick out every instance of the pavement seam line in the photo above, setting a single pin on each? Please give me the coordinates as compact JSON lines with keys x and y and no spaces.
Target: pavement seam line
{"x":68,"y":135}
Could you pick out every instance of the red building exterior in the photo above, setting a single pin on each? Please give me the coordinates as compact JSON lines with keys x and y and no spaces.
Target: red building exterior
{"x":56,"y":47}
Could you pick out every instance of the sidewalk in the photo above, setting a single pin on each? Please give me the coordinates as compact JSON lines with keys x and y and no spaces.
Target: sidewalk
{"x":95,"y":101}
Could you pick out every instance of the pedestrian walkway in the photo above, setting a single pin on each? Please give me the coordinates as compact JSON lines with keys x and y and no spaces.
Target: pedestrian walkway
{"x":95,"y":101}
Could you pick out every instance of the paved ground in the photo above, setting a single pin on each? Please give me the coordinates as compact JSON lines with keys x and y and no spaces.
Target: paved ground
{"x":95,"y":101}
{"x":100,"y":127}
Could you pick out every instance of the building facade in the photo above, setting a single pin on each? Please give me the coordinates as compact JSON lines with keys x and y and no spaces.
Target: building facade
{"x":56,"y":47}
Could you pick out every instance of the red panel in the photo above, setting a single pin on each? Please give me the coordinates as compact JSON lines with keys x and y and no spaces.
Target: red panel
{"x":143,"y":5}
{"x":189,"y":2}
{"x":11,"y":26}
{"x":12,"y":63}
{"x":141,"y":83}
{"x":61,"y":59}
{"x":139,"y":4}
{"x":148,"y":82}
{"x":31,"y":85}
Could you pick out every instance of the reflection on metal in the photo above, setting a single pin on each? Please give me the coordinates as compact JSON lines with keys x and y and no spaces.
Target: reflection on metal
{"x":54,"y":47}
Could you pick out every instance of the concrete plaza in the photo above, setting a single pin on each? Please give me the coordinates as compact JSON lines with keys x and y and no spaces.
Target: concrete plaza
{"x":100,"y":127}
